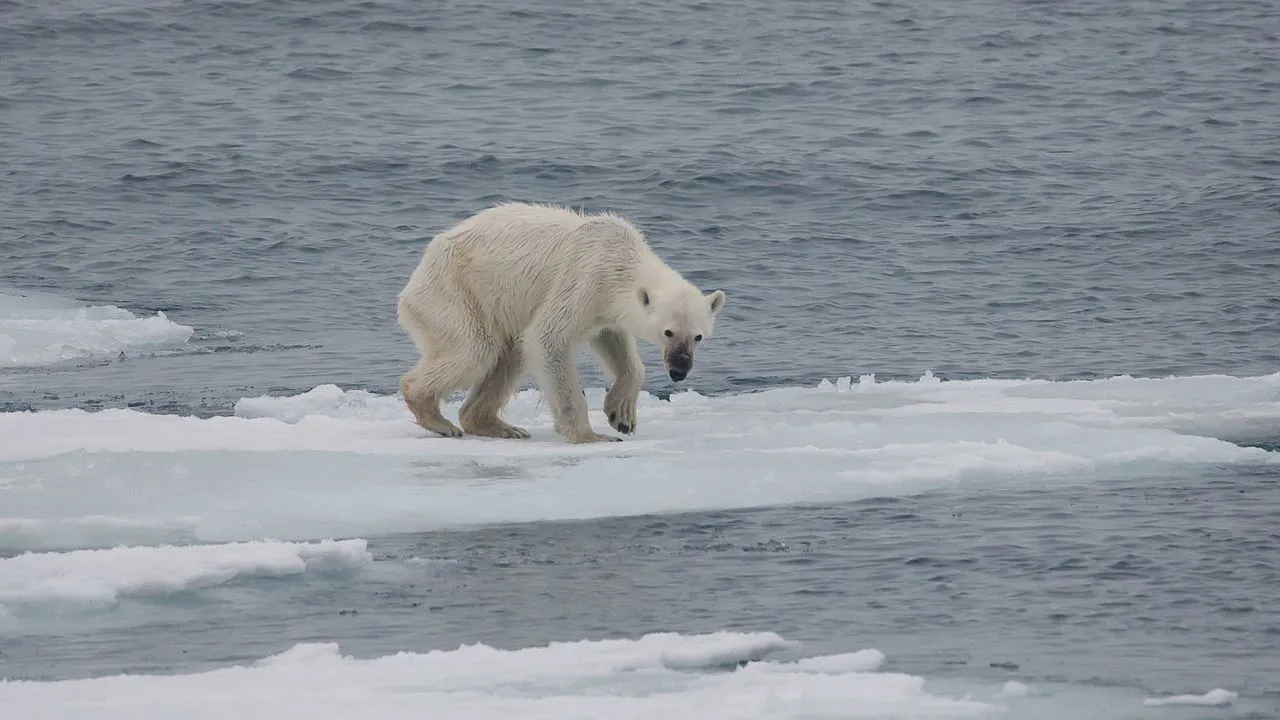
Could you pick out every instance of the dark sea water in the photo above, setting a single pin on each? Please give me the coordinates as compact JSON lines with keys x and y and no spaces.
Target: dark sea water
{"x":1144,"y":584}
{"x":981,"y":189}
{"x":986,"y":189}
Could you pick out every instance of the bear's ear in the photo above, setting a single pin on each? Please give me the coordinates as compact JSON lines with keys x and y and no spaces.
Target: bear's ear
{"x":644,"y":297}
{"x":717,"y":301}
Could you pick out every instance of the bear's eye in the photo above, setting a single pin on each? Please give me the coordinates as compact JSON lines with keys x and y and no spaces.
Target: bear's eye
{"x":668,"y":333}
{"x":697,"y":338}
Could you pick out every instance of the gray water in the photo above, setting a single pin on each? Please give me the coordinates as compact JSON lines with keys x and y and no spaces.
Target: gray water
{"x":1150,"y":585}
{"x":984,"y":189}
{"x":980,"y":189}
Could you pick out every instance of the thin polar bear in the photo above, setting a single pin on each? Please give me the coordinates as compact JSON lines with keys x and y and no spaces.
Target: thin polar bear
{"x":521,"y":286}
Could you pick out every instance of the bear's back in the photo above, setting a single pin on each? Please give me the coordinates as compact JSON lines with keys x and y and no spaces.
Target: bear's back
{"x":529,"y":236}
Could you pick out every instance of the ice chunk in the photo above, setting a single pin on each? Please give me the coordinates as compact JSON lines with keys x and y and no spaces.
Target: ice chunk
{"x":41,"y":330}
{"x":721,"y":649}
{"x":1214,"y":697}
{"x":96,"y":577}
{"x":860,"y":661}
{"x":602,"y":679}
{"x":323,"y":400}
{"x":1013,"y":688}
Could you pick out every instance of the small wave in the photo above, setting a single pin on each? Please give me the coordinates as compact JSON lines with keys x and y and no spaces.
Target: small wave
{"x":392,"y":26}
{"x":1005,"y":39}
{"x":144,"y":177}
{"x":340,"y":166}
{"x":465,"y":87}
{"x":84,"y":26}
{"x":918,"y":195}
{"x":483,"y":162}
{"x":785,"y":89}
{"x":319,"y":73}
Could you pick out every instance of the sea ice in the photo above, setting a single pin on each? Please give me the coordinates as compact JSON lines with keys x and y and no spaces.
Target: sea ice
{"x":41,"y":330}
{"x":1013,"y":688}
{"x":617,"y":679}
{"x":1214,"y":697}
{"x":97,"y":577}
{"x":334,"y":463}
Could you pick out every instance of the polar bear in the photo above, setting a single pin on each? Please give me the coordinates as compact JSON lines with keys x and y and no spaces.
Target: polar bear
{"x":521,"y":286}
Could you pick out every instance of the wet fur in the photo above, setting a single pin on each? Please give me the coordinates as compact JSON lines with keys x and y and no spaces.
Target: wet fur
{"x":518,"y":288}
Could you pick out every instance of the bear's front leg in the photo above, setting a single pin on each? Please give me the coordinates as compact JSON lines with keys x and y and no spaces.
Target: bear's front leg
{"x":620,"y":408}
{"x":618,"y":353}
{"x":550,"y":359}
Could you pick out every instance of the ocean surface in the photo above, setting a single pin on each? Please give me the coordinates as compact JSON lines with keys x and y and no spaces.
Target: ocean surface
{"x":989,"y":426}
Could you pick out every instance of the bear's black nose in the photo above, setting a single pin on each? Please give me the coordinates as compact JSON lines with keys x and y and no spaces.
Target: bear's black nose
{"x":677,"y":374}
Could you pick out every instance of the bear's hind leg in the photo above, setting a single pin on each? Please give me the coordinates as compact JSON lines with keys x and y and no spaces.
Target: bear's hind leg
{"x":437,"y":376}
{"x":424,"y":403}
{"x":618,"y":354}
{"x":479,"y":414}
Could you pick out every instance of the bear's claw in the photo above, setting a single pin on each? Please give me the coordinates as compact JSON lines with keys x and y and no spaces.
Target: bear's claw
{"x":621,"y":411}
{"x":621,"y":426}
{"x":448,"y":430}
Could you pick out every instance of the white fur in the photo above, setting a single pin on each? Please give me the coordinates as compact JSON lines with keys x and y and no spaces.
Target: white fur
{"x":522,"y":286}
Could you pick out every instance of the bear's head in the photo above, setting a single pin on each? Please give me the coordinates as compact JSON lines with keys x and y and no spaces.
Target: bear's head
{"x":677,"y":320}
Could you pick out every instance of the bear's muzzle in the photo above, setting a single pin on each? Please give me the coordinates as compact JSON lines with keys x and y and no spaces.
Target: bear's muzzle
{"x":678,"y":365}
